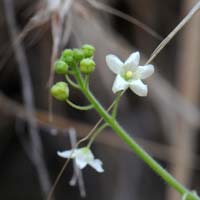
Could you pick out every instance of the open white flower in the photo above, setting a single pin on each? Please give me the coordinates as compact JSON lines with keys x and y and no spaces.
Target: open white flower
{"x":83,"y":157}
{"x":129,"y":73}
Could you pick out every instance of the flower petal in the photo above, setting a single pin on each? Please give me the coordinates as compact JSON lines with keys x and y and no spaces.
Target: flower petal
{"x":119,"y":84}
{"x":97,"y":165}
{"x":133,"y":61}
{"x":67,"y":154}
{"x":81,"y":163}
{"x":139,"y":88}
{"x":145,"y":71}
{"x":114,"y":63}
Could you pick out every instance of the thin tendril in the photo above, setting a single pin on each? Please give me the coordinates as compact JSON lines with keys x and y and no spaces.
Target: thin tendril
{"x":96,"y":133}
{"x":171,"y":35}
{"x":58,"y":177}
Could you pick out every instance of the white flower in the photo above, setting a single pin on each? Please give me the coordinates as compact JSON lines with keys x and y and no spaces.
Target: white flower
{"x":129,"y":73}
{"x":83,"y":157}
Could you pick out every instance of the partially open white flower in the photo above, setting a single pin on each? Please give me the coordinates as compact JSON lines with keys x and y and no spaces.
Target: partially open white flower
{"x":129,"y":73}
{"x":83,"y":157}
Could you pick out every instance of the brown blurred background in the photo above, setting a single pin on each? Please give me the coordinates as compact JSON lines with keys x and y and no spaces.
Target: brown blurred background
{"x":166,"y":123}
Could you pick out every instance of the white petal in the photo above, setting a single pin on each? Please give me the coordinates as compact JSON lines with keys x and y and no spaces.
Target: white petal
{"x":145,"y":71}
{"x":66,"y":154}
{"x":80,"y":163}
{"x":139,"y":88}
{"x":119,"y":84}
{"x":84,"y":154}
{"x":133,"y":61}
{"x":114,"y":63}
{"x":97,"y":165}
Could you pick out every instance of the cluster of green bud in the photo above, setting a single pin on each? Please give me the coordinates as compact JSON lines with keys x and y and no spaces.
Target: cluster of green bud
{"x":69,"y":60}
{"x":60,"y":91}
{"x":74,"y":57}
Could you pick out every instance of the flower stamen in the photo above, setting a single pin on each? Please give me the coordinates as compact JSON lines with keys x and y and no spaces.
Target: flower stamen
{"x":128,"y":75}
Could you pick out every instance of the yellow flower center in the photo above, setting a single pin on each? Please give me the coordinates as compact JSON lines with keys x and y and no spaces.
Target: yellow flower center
{"x":128,"y":75}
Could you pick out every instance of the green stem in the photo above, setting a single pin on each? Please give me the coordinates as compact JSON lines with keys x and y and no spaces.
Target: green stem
{"x":87,"y":79}
{"x":83,"y":108}
{"x":72,"y":83}
{"x":99,"y":130}
{"x":71,"y":72}
{"x":115,"y":108}
{"x":134,"y":146}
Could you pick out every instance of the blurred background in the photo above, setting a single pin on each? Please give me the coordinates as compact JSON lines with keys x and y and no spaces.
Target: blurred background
{"x":166,"y":123}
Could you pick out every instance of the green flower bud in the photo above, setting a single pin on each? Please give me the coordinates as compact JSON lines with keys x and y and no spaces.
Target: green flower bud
{"x":78,"y":55}
{"x":61,"y":67}
{"x":88,"y":50}
{"x":60,"y":91}
{"x":68,"y":53}
{"x":68,"y":57}
{"x":87,"y":66}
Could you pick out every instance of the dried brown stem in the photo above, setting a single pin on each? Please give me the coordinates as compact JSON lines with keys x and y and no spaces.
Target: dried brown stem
{"x":36,"y":146}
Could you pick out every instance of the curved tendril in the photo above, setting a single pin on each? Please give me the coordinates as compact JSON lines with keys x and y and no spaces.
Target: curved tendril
{"x":83,"y":108}
{"x":72,"y":83}
{"x":96,"y":133}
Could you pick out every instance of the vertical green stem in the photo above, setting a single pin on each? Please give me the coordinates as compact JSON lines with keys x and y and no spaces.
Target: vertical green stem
{"x":114,"y":111}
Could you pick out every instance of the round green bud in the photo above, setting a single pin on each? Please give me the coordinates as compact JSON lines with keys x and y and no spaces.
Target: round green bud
{"x":68,"y":53}
{"x":60,"y":91}
{"x":68,"y":57}
{"x":78,"y":55}
{"x":61,"y":67}
{"x":88,"y":50}
{"x":87,"y":66}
